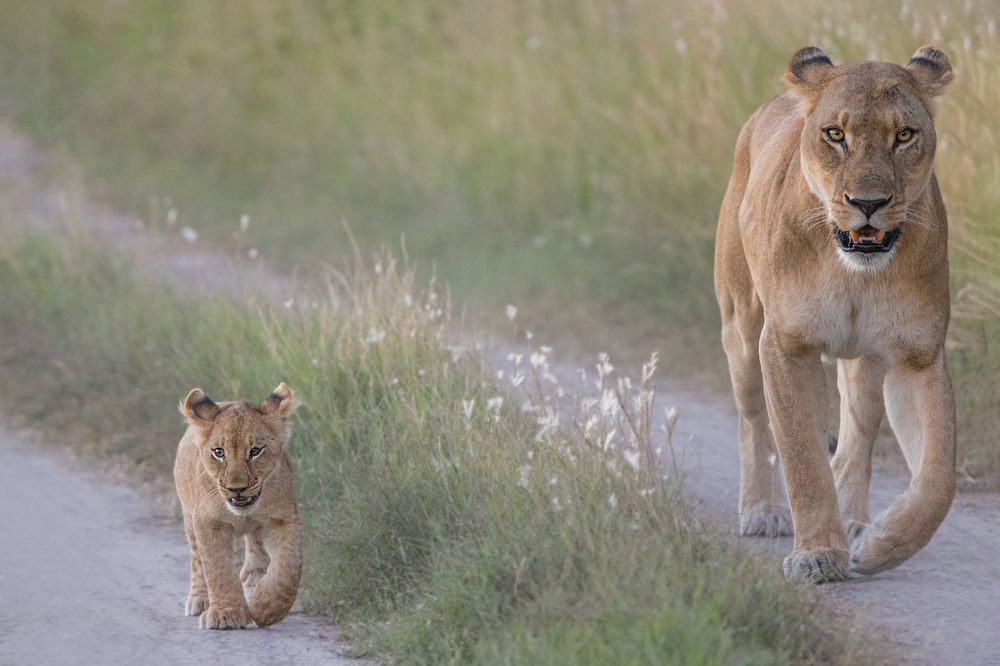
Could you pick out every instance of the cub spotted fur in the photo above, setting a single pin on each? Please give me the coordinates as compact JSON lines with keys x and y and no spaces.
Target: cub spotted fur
{"x":234,"y":479}
{"x":832,"y":239}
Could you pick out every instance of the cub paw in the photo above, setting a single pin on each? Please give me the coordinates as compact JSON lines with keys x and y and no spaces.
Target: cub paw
{"x":225,"y":617}
{"x":854,"y":529}
{"x":822,"y":565}
{"x":197,"y":603}
{"x":251,"y":577}
{"x":766,"y":520}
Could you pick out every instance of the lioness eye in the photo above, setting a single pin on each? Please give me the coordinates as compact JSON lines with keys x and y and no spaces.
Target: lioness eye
{"x":254,"y":452}
{"x":219,"y":453}
{"x":835,"y":134}
{"x":904,"y":135}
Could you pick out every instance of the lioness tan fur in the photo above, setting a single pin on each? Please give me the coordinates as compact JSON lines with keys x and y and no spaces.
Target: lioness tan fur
{"x":832,"y":239}
{"x":234,"y":479}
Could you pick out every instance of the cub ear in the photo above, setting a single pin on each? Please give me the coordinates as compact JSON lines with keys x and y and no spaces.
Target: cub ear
{"x":280,"y":404}
{"x":807,"y":74}
{"x":931,"y":70}
{"x":198,"y":408}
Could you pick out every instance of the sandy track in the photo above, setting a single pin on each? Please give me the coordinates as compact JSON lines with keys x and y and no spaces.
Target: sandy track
{"x":88,"y":575}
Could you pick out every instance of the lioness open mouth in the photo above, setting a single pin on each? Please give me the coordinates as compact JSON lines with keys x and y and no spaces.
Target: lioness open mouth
{"x":867,"y":239}
{"x":243,"y":502}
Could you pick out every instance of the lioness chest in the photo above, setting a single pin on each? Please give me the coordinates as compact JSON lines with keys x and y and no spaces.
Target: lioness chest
{"x":847,"y":315}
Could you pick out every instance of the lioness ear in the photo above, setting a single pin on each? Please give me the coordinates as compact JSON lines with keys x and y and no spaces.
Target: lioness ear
{"x":931,"y":70}
{"x":279,"y":404}
{"x":198,"y":408}
{"x":807,"y":73}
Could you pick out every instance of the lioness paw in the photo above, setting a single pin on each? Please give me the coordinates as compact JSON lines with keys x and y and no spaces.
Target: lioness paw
{"x":225,"y":618}
{"x":873,"y":551}
{"x":766,"y":520}
{"x":822,"y":565}
{"x":197,"y":603}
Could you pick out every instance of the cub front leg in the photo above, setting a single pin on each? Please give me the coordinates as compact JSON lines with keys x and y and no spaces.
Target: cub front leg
{"x":227,"y":607}
{"x":921,"y":410}
{"x":796,"y":403}
{"x":276,"y":592}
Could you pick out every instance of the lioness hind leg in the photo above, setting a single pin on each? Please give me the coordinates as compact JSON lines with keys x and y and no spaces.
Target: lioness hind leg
{"x":255,"y":563}
{"x":861,"y":409}
{"x":763,"y":505}
{"x":197,"y":599}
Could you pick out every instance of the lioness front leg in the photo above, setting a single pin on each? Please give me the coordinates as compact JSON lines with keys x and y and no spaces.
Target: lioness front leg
{"x":861,"y":409}
{"x":921,"y":410}
{"x":227,"y":606}
{"x":276,"y":592}
{"x":796,"y":402}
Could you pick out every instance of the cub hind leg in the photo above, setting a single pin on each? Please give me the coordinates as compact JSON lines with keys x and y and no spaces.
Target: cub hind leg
{"x":255,"y":563}
{"x":276,"y":591}
{"x":197,"y":600}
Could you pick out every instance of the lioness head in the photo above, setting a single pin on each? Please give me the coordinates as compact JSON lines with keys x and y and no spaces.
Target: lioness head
{"x":240,"y":443}
{"x":867,"y":146}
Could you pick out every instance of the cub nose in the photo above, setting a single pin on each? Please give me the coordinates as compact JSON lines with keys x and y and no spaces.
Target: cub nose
{"x":867,"y":206}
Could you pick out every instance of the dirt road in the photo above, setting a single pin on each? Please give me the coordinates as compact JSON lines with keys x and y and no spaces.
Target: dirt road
{"x":88,"y":576}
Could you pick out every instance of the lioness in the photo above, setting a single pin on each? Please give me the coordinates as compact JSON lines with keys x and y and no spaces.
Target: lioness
{"x":832,"y":240}
{"x":234,"y":479}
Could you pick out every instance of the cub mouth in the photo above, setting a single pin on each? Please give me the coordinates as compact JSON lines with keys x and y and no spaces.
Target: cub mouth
{"x":243,"y":502}
{"x":867,"y":239}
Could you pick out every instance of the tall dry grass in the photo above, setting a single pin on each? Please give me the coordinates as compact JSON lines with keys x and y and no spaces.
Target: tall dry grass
{"x":567,"y":155}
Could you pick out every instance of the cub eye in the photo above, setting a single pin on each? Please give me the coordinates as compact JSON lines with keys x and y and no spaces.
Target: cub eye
{"x":904,"y":135}
{"x":254,"y":452}
{"x":835,"y":134}
{"x":219,"y":453}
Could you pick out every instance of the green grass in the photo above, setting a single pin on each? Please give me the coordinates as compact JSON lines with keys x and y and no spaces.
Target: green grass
{"x":440,"y":527}
{"x":569,"y":156}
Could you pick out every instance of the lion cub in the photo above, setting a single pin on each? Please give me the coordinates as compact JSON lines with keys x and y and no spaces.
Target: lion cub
{"x":234,"y":479}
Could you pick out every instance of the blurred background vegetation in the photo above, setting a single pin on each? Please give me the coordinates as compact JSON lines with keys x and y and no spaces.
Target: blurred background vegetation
{"x":568,"y":156}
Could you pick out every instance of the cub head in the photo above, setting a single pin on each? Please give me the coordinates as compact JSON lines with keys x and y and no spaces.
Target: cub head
{"x":240,"y":444}
{"x":867,"y":145}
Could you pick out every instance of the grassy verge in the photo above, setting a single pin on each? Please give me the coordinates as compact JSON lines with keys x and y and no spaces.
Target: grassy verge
{"x":445,"y":522}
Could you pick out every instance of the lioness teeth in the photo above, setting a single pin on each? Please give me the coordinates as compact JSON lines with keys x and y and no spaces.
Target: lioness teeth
{"x":855,"y":235}
{"x":879,"y":235}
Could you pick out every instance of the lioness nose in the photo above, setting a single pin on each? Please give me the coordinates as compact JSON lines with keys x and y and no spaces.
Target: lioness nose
{"x":867,"y":206}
